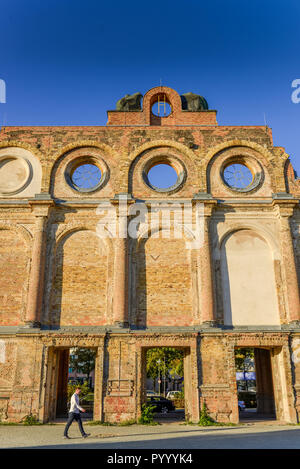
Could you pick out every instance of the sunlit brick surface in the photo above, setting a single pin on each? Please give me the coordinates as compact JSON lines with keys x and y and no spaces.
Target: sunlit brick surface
{"x":122,"y":296}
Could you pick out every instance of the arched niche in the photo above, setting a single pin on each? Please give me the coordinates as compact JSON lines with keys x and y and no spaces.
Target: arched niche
{"x":79,"y":288}
{"x":20,"y":172}
{"x":248,"y":280}
{"x":14,"y":271}
{"x":164,"y":282}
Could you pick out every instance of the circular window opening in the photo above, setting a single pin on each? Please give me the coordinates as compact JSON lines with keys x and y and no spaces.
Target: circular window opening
{"x":86,"y":176}
{"x":238,"y":176}
{"x":162,"y":176}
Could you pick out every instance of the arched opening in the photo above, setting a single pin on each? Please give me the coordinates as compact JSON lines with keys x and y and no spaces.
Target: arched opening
{"x":161,"y":108}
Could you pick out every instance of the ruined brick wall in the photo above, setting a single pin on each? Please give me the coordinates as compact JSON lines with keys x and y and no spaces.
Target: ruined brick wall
{"x":58,"y":277}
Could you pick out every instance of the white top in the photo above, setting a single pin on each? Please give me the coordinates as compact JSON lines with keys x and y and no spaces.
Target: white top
{"x":75,"y":407}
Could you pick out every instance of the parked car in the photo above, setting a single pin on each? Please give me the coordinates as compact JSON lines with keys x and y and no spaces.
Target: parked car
{"x":150,"y":393}
{"x":242,"y":405}
{"x":172,"y":394}
{"x":249,"y":398}
{"x":161,"y":404}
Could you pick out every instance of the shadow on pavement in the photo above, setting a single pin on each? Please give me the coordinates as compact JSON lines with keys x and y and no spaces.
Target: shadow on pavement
{"x":247,"y":415}
{"x":287,"y":439}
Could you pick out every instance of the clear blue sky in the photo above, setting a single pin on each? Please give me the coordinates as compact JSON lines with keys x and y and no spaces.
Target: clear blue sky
{"x":65,"y":62}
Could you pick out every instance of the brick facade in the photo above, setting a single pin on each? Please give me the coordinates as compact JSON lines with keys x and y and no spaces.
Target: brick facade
{"x":62,"y":285}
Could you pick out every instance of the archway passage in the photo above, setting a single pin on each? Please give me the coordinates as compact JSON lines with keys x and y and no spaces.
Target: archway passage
{"x":163,"y":382}
{"x":75,"y":368}
{"x":254,"y":380}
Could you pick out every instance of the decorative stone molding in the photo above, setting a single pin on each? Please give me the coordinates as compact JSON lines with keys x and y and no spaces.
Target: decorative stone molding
{"x":26,"y":146}
{"x":80,"y":144}
{"x":154,"y":144}
{"x":18,"y":228}
{"x":232,"y":226}
{"x":243,"y":143}
{"x":21,"y":173}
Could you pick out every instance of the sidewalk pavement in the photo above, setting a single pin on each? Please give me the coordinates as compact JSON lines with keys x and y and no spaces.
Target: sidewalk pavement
{"x":164,"y":436}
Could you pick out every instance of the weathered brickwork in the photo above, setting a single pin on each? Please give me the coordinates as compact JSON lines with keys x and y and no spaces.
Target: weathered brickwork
{"x":164,"y":299}
{"x":14,"y":255}
{"x":62,"y":285}
{"x":80,"y":281}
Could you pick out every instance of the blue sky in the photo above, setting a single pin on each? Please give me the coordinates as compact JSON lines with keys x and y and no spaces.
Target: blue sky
{"x":65,"y":62}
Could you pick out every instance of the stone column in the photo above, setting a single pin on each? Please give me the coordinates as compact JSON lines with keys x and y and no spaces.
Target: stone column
{"x":37,"y":271}
{"x":206,"y":290}
{"x":120,"y":290}
{"x":289,"y":265}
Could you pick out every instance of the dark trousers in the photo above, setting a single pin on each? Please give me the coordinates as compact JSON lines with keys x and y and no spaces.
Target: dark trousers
{"x":77,"y":417}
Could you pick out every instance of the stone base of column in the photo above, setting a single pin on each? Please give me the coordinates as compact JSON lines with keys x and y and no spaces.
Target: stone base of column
{"x":32,"y":325}
{"x":121,"y":324}
{"x":294,"y":323}
{"x":208,"y":324}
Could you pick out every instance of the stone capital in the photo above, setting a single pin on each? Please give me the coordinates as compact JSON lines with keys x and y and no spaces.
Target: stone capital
{"x":40,"y":207}
{"x":207,"y":201}
{"x":285,"y":207}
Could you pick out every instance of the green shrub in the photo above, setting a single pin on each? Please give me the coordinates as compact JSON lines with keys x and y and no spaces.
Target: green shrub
{"x":147,"y":415}
{"x":30,"y":420}
{"x":85,"y":390}
{"x":205,"y":420}
{"x":89,"y":397}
